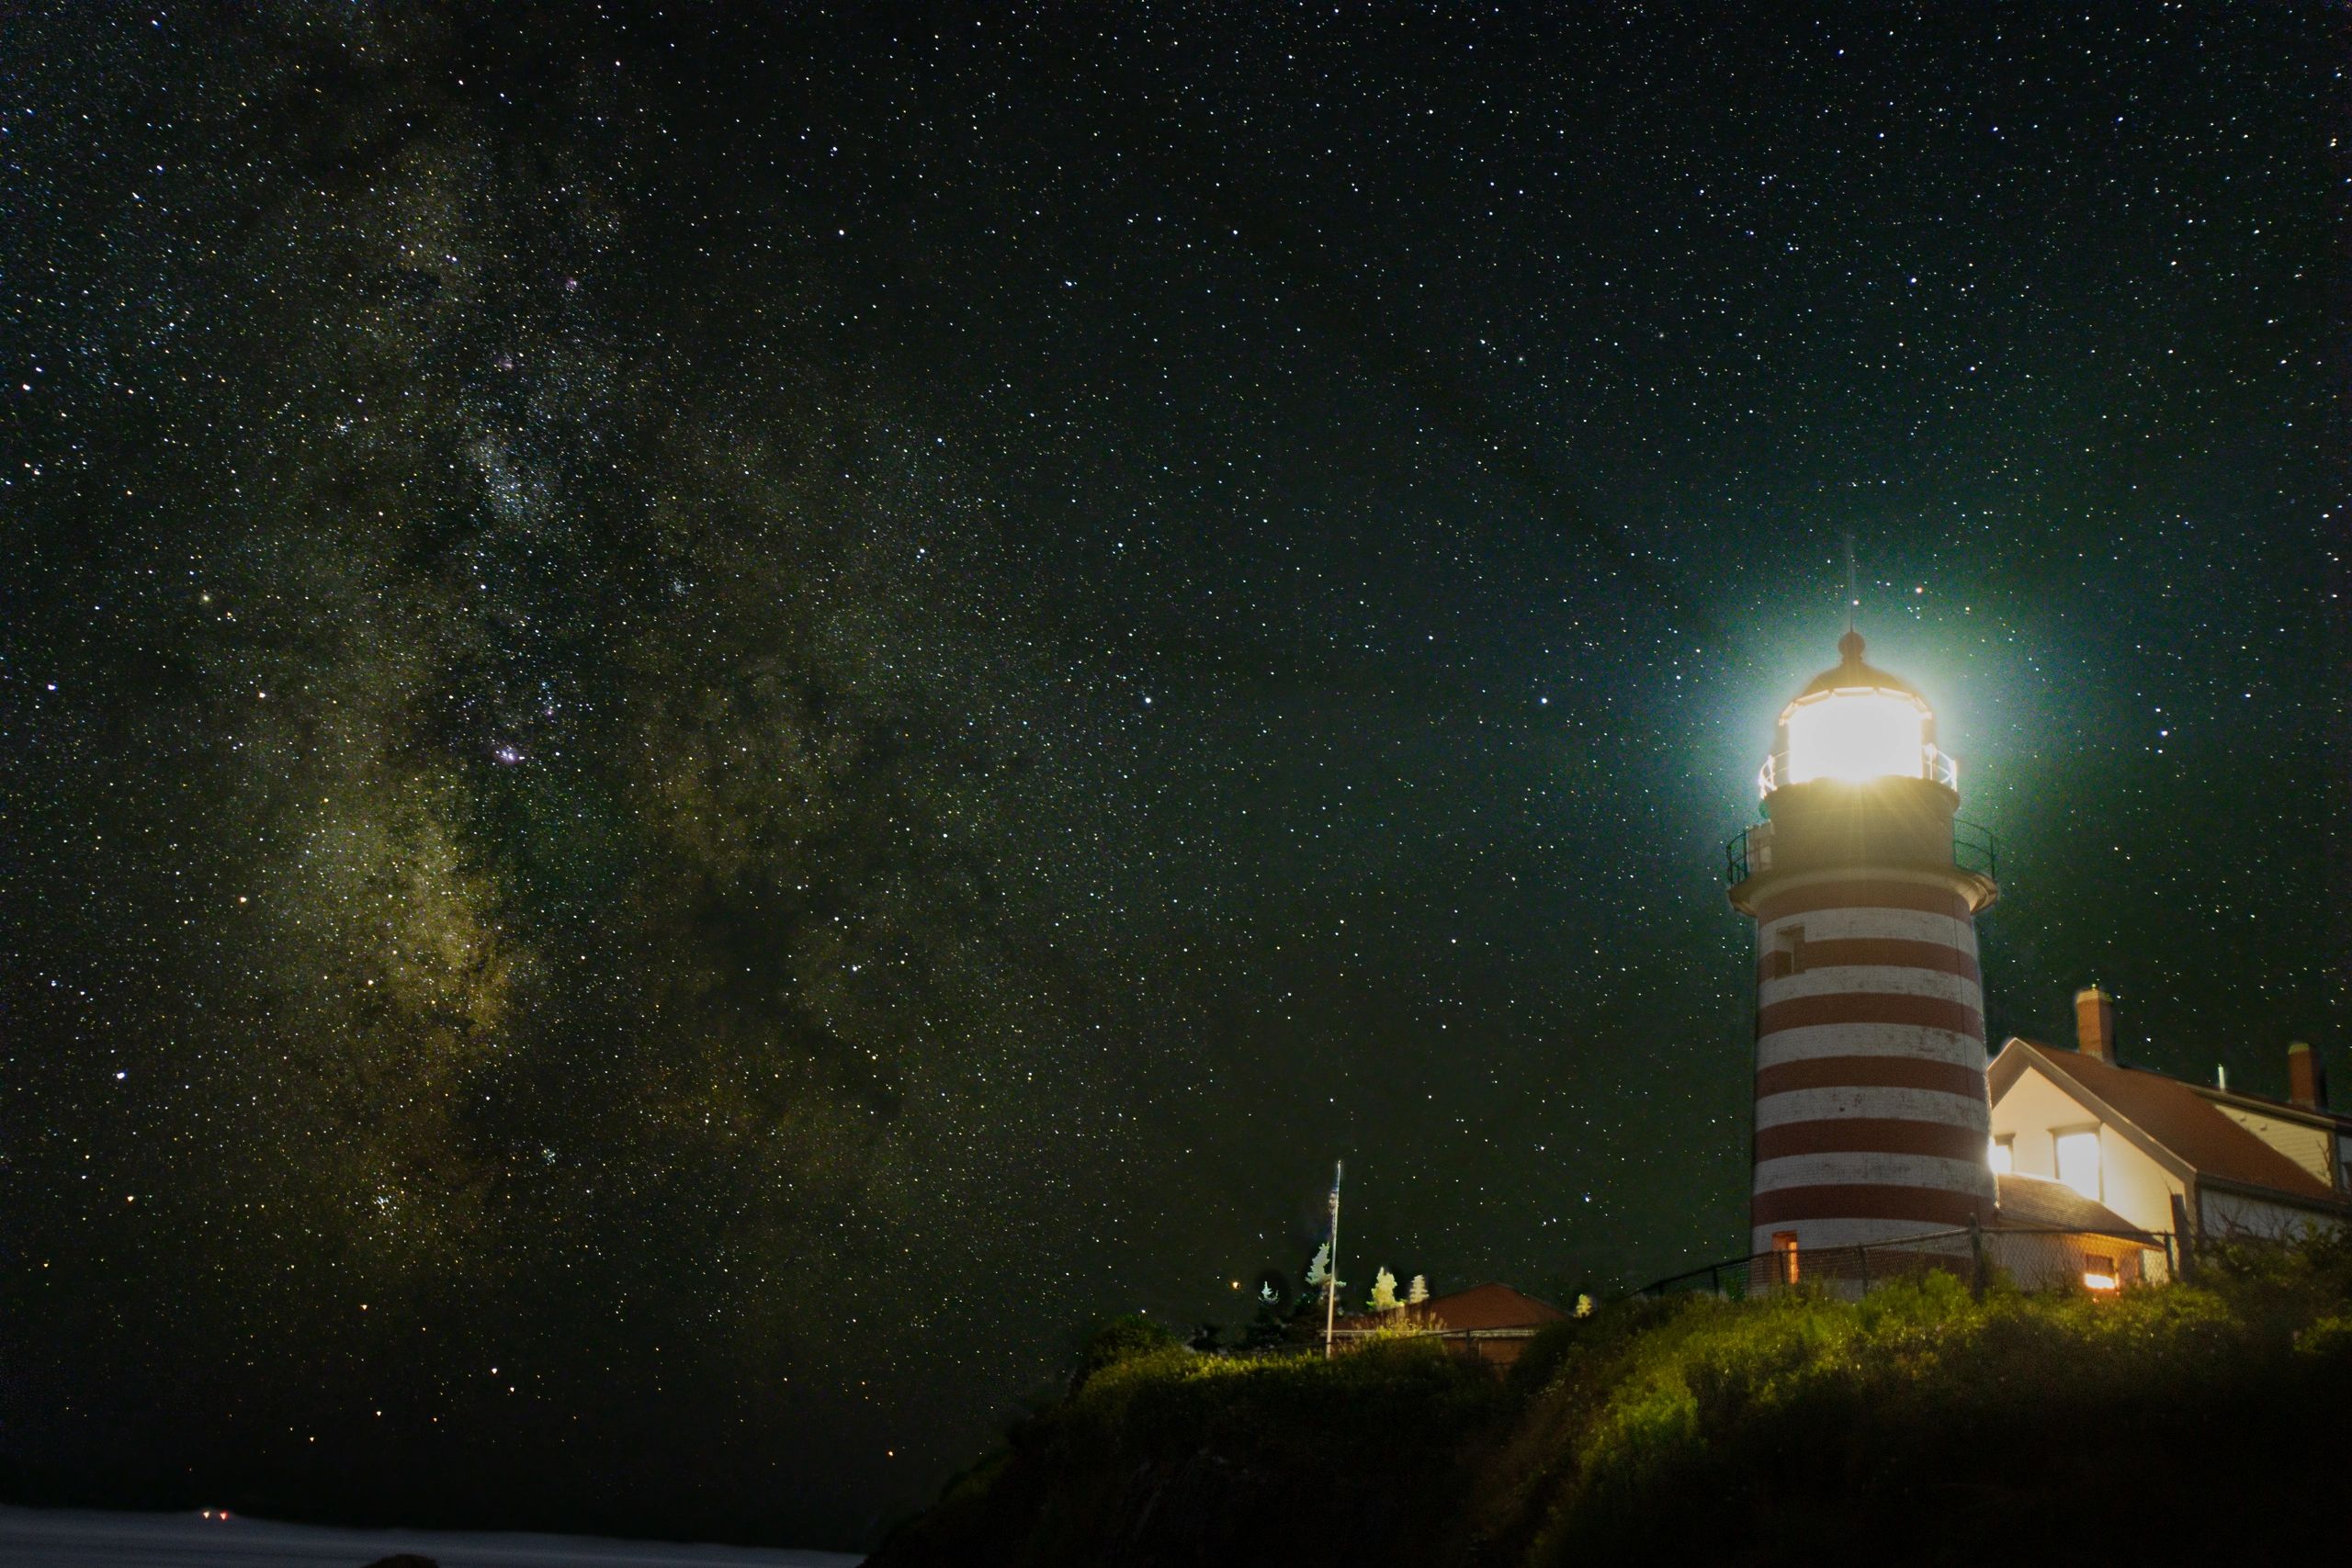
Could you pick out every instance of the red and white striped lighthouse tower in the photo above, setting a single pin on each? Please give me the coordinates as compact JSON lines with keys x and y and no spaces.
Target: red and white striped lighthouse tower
{"x":1872,"y":1120}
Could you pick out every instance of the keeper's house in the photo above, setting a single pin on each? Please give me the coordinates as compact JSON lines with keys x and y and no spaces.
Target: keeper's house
{"x":2201,"y":1162}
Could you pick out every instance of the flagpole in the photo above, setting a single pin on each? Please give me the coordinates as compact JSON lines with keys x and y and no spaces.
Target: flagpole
{"x":1331,"y":1276}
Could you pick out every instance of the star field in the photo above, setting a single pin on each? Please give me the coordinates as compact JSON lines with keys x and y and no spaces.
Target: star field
{"x":718,"y":715}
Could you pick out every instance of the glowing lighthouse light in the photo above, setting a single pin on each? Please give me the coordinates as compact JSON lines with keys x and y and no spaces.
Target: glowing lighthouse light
{"x":1855,"y":723}
{"x":1857,"y":736}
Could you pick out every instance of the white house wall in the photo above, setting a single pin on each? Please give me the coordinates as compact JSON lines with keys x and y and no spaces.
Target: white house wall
{"x":2136,"y":1187}
{"x":2131,"y":1183}
{"x":2298,"y":1141}
{"x":2226,"y":1214}
{"x":2025,"y":1115}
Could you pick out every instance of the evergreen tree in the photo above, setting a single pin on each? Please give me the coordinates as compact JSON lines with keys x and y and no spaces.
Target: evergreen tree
{"x":1384,"y":1292}
{"x":1268,"y":1327}
{"x":1419,"y":1291}
{"x":1319,"y":1275}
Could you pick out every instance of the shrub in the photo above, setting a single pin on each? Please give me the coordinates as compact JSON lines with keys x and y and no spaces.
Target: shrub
{"x":1121,"y":1339}
{"x":1803,"y":1427}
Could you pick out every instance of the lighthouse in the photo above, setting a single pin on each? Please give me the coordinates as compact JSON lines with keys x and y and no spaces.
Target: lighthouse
{"x":1872,"y":1118}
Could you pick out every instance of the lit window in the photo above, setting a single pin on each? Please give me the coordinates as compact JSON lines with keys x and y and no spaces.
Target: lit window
{"x":2099,"y":1274}
{"x":2078,"y":1161}
{"x":2004,"y":1155}
{"x":1857,"y":735}
{"x":1784,"y":1253}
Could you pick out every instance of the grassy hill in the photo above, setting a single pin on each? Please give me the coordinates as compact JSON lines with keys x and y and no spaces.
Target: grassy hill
{"x":2184,"y":1422}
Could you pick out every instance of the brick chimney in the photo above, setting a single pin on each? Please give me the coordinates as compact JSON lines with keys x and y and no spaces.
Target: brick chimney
{"x":2095,"y":1023}
{"x":2306,"y":1083}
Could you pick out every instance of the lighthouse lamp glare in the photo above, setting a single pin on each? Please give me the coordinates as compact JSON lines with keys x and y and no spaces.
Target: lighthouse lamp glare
{"x":1857,"y":736}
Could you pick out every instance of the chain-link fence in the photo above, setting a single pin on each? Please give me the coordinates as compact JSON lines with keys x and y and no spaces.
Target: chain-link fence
{"x":2029,"y":1259}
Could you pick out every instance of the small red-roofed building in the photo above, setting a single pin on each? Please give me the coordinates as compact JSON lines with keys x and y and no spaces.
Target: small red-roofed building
{"x":1489,"y":1323}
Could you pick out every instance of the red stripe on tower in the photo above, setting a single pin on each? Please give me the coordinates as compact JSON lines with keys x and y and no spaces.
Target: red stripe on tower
{"x":1913,"y":1209}
{"x":1868,"y":1072}
{"x":1871,"y":894}
{"x":1869,"y":1007}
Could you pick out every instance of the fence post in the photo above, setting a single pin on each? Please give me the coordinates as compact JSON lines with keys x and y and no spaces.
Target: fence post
{"x":1976,"y":1251}
{"x":1864,"y":1254}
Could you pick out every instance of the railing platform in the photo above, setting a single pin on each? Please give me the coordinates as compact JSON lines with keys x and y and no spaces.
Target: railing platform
{"x":1975,"y":850}
{"x":2033,"y":1260}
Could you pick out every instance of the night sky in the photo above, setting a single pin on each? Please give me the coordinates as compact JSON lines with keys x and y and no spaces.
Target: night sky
{"x":717,"y":717}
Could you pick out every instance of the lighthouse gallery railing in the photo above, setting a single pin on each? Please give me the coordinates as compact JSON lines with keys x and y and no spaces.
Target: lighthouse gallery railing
{"x":1973,"y":849}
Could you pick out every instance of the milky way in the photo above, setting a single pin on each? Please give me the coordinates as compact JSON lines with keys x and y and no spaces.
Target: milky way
{"x":714,"y":720}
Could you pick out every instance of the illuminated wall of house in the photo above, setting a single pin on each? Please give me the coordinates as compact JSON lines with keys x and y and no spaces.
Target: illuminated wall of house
{"x":2036,"y":1110}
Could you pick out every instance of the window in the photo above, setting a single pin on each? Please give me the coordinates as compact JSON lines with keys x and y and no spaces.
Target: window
{"x":2004,"y":1154}
{"x":1784,"y":1255}
{"x":1787,"y":954}
{"x":2099,"y":1274}
{"x":2078,"y":1154}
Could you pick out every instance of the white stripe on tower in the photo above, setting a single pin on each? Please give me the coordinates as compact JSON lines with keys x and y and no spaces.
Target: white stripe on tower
{"x":1883,"y":1102}
{"x":1899,"y":925}
{"x":1870,"y":979}
{"x":1853,"y":1170}
{"x":1837,"y":1040}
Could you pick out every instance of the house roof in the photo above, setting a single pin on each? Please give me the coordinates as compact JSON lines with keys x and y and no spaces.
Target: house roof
{"x":2033,"y":1202}
{"x":2271,"y":1105}
{"x":1481,"y":1306}
{"x":2169,"y":1113}
{"x":1491,"y":1306}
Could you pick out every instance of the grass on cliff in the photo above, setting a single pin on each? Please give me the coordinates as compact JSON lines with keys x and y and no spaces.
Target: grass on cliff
{"x":1921,"y":1424}
{"x":1797,"y":1427}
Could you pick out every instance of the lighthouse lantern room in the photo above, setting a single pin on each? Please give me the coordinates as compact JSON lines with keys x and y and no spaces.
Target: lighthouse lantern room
{"x":1871,"y":1117}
